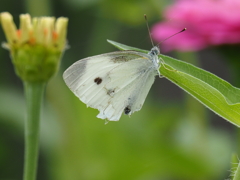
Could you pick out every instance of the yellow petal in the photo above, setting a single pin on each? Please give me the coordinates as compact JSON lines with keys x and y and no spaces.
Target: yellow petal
{"x":9,"y":28}
{"x":61,"y":31}
{"x":25,"y":27}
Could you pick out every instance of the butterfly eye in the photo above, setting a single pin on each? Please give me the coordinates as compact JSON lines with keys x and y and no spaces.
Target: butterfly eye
{"x":155,"y":52}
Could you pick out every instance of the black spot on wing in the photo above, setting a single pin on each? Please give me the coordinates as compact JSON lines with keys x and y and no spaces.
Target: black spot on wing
{"x":98,"y":80}
{"x":127,"y":110}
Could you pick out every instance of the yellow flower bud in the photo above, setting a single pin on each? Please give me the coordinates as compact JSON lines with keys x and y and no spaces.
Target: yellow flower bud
{"x":36,"y":47}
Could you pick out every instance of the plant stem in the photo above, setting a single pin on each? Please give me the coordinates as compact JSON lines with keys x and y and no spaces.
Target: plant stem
{"x":34,"y":94}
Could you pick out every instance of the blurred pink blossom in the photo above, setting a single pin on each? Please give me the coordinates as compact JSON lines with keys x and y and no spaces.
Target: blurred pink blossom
{"x":208,"y":22}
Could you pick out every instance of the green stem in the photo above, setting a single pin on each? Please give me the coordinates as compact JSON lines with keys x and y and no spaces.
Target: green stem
{"x":34,"y":94}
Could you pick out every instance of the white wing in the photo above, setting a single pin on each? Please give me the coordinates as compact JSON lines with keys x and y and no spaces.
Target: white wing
{"x":112,"y":82}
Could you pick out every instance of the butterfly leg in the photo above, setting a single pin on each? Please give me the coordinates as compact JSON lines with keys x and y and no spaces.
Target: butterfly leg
{"x":163,"y":63}
{"x":161,"y":76}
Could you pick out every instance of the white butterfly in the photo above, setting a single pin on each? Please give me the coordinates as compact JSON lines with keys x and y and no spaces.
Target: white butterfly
{"x":114,"y":82}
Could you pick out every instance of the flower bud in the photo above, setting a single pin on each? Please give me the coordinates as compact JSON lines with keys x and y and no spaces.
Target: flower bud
{"x":36,"y":47}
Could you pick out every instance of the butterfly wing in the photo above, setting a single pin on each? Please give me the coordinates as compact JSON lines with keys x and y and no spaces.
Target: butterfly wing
{"x":113,"y":82}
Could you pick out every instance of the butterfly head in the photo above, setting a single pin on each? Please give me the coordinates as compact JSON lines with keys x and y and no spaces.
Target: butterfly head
{"x":154,"y":51}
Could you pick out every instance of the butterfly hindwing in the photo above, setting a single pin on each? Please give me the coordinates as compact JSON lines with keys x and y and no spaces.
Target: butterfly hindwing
{"x":130,"y":88}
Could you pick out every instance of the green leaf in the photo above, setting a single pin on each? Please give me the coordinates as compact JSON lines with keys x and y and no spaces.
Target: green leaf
{"x":212,"y":91}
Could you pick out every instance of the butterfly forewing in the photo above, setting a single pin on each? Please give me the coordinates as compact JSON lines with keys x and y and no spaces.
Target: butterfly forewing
{"x":113,"y":82}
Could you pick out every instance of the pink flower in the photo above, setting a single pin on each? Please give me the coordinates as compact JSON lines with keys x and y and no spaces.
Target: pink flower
{"x":208,"y":22}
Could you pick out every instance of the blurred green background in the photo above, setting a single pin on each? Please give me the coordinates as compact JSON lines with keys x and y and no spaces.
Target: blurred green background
{"x":173,"y":137}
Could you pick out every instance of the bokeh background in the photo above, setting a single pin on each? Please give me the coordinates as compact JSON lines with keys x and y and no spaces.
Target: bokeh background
{"x":173,"y":137}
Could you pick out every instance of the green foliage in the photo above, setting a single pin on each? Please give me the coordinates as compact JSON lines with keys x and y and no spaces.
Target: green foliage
{"x":212,"y":91}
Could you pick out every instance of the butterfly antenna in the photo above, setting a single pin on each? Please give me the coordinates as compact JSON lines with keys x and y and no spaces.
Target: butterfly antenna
{"x":145,"y":16}
{"x":172,"y":36}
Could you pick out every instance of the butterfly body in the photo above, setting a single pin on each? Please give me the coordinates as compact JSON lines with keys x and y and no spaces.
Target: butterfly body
{"x":114,"y":82}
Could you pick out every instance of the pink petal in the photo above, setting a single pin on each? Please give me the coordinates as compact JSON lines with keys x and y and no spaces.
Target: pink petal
{"x":209,"y":22}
